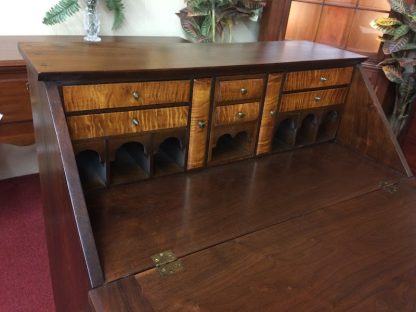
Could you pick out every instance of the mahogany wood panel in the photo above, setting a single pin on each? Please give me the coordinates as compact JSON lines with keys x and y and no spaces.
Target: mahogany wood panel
{"x":303,"y":21}
{"x":319,"y":78}
{"x":238,"y":90}
{"x":74,"y":263}
{"x":312,"y":99}
{"x":192,"y":211}
{"x":334,"y":25}
{"x":364,"y":126}
{"x":17,"y":133}
{"x":271,"y":102}
{"x":14,"y":101}
{"x":109,"y":124}
{"x":353,"y":256}
{"x":201,"y":99}
{"x":101,"y":96}
{"x":121,"y":296}
{"x":409,"y":143}
{"x":83,"y":61}
{"x":236,"y":113}
{"x":274,"y":20}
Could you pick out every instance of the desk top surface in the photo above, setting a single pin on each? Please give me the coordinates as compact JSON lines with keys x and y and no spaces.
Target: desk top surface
{"x":81,"y":60}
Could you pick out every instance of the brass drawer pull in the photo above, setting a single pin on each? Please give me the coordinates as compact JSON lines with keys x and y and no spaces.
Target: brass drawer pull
{"x":317,"y":98}
{"x":135,"y":121}
{"x":241,"y":115}
{"x":1,"y":116}
{"x":323,"y":79}
{"x":136,"y":95}
{"x":272,"y":113}
{"x":243,"y":91}
{"x":202,"y":124}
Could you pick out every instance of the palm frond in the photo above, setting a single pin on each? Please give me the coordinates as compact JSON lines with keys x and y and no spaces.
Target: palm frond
{"x":118,"y":7}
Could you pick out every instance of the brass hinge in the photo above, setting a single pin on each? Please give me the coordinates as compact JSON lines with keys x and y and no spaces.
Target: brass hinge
{"x":167,"y":263}
{"x":390,"y":187}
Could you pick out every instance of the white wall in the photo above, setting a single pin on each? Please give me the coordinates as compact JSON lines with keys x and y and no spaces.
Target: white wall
{"x":143,"y":18}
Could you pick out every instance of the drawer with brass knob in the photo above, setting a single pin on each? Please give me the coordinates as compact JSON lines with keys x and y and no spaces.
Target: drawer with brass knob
{"x":117,"y":95}
{"x":119,"y":123}
{"x":239,"y":90}
{"x":312,"y":99}
{"x":236,"y":113}
{"x":319,"y":78}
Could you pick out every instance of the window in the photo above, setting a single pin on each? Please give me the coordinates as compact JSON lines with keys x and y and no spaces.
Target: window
{"x":340,"y":23}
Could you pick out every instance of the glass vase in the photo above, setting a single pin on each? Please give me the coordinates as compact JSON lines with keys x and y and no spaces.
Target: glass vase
{"x":91,"y":22}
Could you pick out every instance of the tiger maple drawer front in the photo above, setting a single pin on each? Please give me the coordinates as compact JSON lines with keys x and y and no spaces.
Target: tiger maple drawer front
{"x":318,"y":78}
{"x":240,"y":90}
{"x":237,"y":113}
{"x":111,"y":124}
{"x":102,"y":96}
{"x":14,"y":101}
{"x":313,"y":99}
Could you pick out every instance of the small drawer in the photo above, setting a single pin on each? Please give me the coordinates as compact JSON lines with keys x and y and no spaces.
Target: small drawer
{"x":318,"y":78}
{"x":313,"y":99}
{"x":240,"y":90}
{"x":14,"y":101}
{"x":109,"y":124}
{"x":230,"y":114}
{"x":102,"y":96}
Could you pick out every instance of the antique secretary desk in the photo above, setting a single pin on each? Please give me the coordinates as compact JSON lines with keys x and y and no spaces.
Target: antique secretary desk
{"x":237,"y":177}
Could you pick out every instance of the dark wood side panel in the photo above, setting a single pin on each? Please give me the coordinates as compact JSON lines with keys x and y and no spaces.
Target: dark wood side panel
{"x":364,"y":126}
{"x":120,"y":296}
{"x":74,"y":262}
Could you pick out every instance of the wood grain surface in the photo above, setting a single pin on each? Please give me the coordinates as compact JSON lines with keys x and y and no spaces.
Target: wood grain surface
{"x":271,"y":102}
{"x":83,"y":61}
{"x":201,"y":98}
{"x":357,"y":255}
{"x":364,"y":126}
{"x":318,"y":78}
{"x":17,"y":133}
{"x":102,"y":96}
{"x":193,"y":211}
{"x":312,"y":99}
{"x":109,"y":124}
{"x":239,"y":90}
{"x":236,"y":113}
{"x":14,"y":101}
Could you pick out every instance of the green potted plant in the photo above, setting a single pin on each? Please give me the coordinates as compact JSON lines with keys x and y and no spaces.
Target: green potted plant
{"x":399,"y":44}
{"x":204,"y":20}
{"x":66,"y":8}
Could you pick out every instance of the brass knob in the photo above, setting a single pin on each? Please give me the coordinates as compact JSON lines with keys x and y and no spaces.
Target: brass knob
{"x":241,"y":115}
{"x":135,"y":122}
{"x":243,"y":91}
{"x":272,"y":113}
{"x":202,"y":124}
{"x":323,"y":79}
{"x":317,"y":98}
{"x":1,"y":116}
{"x":136,"y":95}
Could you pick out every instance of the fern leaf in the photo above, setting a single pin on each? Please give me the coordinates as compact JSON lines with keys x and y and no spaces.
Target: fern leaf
{"x":118,"y":7}
{"x":61,"y":11}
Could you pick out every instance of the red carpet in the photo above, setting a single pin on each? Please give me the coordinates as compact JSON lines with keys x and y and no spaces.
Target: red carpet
{"x":25,"y":283}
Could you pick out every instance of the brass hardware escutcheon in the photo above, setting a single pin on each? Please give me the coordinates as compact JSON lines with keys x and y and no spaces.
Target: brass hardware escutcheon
{"x":202,"y":124}
{"x":135,"y":122}
{"x":272,"y":113}
{"x":167,"y":263}
{"x":136,"y":95}
{"x":317,"y":98}
{"x":243,"y":91}
{"x":241,"y":115}
{"x":323,"y":79}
